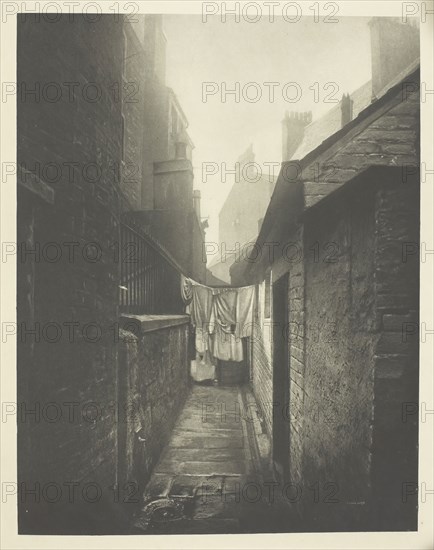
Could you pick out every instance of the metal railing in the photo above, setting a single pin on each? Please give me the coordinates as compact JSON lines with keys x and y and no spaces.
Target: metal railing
{"x":150,"y":278}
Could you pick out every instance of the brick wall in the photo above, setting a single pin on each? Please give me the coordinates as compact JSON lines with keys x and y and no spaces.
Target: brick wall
{"x":133,"y":102}
{"x":351,"y":368}
{"x":296,"y":304}
{"x":61,"y":127}
{"x":261,"y":368}
{"x":396,"y":359}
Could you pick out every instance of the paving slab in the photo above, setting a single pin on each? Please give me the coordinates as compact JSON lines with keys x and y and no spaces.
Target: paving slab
{"x":201,"y":442}
{"x":176,"y":455}
{"x":192,"y":485}
{"x":205,"y":465}
{"x":201,"y":468}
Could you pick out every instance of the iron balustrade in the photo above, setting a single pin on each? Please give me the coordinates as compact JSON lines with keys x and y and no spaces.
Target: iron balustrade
{"x":150,"y":278}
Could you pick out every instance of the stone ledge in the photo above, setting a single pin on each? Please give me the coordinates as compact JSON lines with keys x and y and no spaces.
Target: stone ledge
{"x":140,"y":324}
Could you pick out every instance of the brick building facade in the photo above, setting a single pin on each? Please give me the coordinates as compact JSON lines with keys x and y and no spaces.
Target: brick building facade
{"x":82,"y":172}
{"x":54,"y":288}
{"x":157,"y":171}
{"x":336,"y":358}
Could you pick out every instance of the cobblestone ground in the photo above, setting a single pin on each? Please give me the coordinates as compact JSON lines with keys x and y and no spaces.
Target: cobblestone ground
{"x":212,"y":477}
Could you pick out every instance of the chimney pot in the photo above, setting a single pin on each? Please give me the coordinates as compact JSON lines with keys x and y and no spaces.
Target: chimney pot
{"x":293,"y":132}
{"x":346,"y":109}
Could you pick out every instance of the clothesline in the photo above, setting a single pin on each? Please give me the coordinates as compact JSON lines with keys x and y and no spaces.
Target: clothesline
{"x":193,"y":282}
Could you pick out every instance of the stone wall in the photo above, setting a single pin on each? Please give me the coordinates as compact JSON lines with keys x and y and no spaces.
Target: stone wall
{"x":396,"y":359}
{"x":340,"y":336}
{"x":69,"y":296}
{"x":153,"y":384}
{"x":353,"y":355}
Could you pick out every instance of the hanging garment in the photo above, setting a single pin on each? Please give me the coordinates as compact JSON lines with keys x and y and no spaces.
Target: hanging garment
{"x":225,"y":345}
{"x":222,"y":317}
{"x":245,"y":308}
{"x":201,"y":306}
{"x":201,"y":340}
{"x":200,"y":309}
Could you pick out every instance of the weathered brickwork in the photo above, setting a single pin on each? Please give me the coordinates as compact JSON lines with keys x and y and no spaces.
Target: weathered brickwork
{"x":339,"y":344}
{"x":353,"y":320}
{"x":387,"y":137}
{"x":132,"y":95}
{"x":396,"y":358}
{"x":262,"y":357}
{"x":296,"y":317}
{"x":153,"y":384}
{"x":262,"y":378}
{"x":78,"y":137}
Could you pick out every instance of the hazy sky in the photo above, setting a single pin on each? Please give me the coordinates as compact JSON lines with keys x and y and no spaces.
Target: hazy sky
{"x":280,"y":52}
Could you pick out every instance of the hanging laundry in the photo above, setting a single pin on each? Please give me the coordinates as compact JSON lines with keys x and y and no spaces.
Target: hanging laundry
{"x":200,"y":315}
{"x":201,"y":306}
{"x":225,"y":345}
{"x":202,"y":368}
{"x":222,"y":317}
{"x":245,"y":308}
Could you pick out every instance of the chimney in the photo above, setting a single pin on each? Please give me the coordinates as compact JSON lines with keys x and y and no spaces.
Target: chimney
{"x":196,"y":203}
{"x":346,"y":109}
{"x":394,"y":47}
{"x":293,"y":126}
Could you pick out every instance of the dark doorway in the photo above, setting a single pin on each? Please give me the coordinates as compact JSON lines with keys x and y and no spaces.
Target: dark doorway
{"x":280,"y":378}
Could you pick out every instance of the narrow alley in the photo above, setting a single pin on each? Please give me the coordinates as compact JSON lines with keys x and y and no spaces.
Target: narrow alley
{"x":170,"y":381}
{"x":210,"y":477}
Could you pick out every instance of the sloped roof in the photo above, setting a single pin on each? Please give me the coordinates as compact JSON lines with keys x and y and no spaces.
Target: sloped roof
{"x":287,"y":203}
{"x":322,"y":128}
